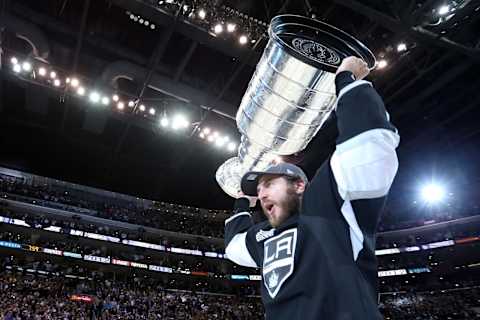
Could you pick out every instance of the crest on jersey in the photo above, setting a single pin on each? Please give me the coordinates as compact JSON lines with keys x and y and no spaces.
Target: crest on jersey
{"x":278,"y":260}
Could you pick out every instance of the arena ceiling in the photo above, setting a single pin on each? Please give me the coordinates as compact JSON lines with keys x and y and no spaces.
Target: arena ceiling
{"x":181,"y":65}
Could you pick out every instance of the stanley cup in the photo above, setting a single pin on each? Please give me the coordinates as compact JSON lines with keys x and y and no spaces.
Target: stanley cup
{"x":290,"y":95}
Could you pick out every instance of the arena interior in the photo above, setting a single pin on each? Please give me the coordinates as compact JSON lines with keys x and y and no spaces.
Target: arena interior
{"x":116,"y":114}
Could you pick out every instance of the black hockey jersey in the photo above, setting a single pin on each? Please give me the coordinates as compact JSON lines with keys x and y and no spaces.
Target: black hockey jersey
{"x":320,"y":263}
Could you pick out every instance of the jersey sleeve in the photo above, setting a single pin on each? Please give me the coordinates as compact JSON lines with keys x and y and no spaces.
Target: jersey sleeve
{"x":364,"y":162}
{"x":239,"y":242}
{"x":354,"y":182}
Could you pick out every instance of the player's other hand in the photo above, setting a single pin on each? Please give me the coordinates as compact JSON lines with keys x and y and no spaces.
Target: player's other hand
{"x":355,"y":65}
{"x":253,"y":200}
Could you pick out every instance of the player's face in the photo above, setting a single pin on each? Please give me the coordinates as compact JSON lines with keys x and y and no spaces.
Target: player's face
{"x":279,"y":197}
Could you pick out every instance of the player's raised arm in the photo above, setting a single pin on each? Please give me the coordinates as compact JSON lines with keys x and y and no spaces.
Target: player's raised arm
{"x":236,"y":228}
{"x":365,"y":162}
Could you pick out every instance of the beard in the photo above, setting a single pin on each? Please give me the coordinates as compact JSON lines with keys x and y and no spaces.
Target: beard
{"x":289,"y":206}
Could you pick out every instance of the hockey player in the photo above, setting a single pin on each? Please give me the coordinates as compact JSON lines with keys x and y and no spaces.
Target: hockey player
{"x":317,"y":249}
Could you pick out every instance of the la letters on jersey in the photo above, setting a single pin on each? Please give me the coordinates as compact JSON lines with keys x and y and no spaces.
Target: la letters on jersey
{"x":278,"y":260}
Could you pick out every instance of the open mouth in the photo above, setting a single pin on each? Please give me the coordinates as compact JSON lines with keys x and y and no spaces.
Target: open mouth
{"x":269,"y":208}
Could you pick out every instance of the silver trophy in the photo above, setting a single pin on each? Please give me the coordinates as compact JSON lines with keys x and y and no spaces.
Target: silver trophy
{"x":290,"y":95}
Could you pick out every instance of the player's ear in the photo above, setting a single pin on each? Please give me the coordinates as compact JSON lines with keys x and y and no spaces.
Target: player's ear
{"x":299,"y":186}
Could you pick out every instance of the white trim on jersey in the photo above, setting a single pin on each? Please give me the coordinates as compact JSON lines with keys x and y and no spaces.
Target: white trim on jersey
{"x":364,"y":166}
{"x":356,"y":235}
{"x":237,"y":251}
{"x":236,"y":216}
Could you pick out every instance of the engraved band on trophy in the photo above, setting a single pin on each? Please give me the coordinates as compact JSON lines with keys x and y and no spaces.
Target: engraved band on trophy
{"x":290,"y":95}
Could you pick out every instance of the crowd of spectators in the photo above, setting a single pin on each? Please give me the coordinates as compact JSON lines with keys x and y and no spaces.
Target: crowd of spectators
{"x":452,"y":305}
{"x":165,"y":216}
{"x":177,"y":263}
{"x":25,"y":296}
{"x":171,"y":217}
{"x":32,"y":296}
{"x":76,"y":223}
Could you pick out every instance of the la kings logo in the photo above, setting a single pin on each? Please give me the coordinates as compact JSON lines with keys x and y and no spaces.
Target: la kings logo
{"x":278,"y":260}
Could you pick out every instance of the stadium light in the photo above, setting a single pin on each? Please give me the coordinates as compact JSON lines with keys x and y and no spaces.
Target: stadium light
{"x":105,"y":101}
{"x":202,"y":14}
{"x":231,"y":27}
{"x":74,"y":82}
{"x":433,"y":193}
{"x":218,"y":28}
{"x":120,"y":105}
{"x":231,"y":146}
{"x":115,"y":98}
{"x":26,"y":66}
{"x":142,"y":107}
{"x":81,"y":91}
{"x":443,"y":10}
{"x":152,"y":111}
{"x":180,"y":122}
{"x":17,"y":68}
{"x":57,"y":83}
{"x":206,"y":130}
{"x":164,"y":122}
{"x":42,"y":71}
{"x":219,"y":142}
{"x":53,"y":74}
{"x":14,"y":60}
{"x":94,"y":97}
{"x":243,"y":39}
{"x":382,"y":64}
{"x":401,"y":47}
{"x":131,"y":103}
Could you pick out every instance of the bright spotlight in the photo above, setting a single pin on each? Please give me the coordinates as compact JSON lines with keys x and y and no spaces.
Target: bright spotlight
{"x":180,"y":122}
{"x":401,"y":47}
{"x":231,"y":146}
{"x":152,"y":111}
{"x":202,"y":14}
{"x":115,"y":98}
{"x":218,"y":28}
{"x":152,"y":26}
{"x":215,"y":134}
{"x":201,"y":135}
{"x":433,"y":193}
{"x":443,"y":10}
{"x":131,"y":103}
{"x":382,"y":64}
{"x":219,"y":142}
{"x":94,"y":97}
{"x":42,"y":71}
{"x":243,"y":39}
{"x":164,"y":122}
{"x":26,"y":66}
{"x":231,"y":27}
{"x":105,"y":101}
{"x":74,"y":82}
{"x":17,"y":68}
{"x":81,"y":91}
{"x":14,"y":60}
{"x":210,"y":138}
{"x":56,"y":83}
{"x":142,"y":107}
{"x":53,"y":74}
{"x":206,"y":130}
{"x":120,"y":105}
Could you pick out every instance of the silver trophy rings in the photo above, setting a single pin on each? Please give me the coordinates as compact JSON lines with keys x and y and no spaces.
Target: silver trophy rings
{"x":290,"y":95}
